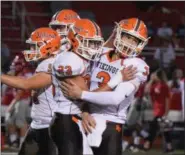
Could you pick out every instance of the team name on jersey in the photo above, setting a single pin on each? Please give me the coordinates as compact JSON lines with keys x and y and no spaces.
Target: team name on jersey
{"x":108,"y":68}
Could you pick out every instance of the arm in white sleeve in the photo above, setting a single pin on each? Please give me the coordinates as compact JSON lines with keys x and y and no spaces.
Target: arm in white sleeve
{"x":115,"y":97}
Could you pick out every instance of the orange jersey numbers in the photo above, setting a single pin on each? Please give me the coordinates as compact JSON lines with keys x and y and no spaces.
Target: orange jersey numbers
{"x":105,"y":78}
{"x":146,"y":73}
{"x":66,"y":70}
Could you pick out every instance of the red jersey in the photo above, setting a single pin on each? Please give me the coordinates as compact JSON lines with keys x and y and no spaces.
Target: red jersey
{"x":8,"y":95}
{"x":159,"y":92}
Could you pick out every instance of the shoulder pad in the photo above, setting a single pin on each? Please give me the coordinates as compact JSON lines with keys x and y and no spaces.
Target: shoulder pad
{"x":142,"y":67}
{"x":68,"y":64}
{"x":45,"y":66}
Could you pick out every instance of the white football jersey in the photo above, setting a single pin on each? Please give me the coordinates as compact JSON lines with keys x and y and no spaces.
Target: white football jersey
{"x":67,"y":64}
{"x":142,"y":68}
{"x":102,"y":73}
{"x":104,"y":69}
{"x":43,"y":102}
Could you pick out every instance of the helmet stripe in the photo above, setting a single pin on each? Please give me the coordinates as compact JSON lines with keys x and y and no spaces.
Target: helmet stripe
{"x":56,"y":15}
{"x":96,"y":27}
{"x":137,"y":25}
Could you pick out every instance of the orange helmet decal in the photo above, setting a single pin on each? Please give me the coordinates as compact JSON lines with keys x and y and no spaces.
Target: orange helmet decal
{"x":61,"y":22}
{"x":87,"y":28}
{"x":46,"y":41}
{"x":65,"y":17}
{"x":43,"y":34}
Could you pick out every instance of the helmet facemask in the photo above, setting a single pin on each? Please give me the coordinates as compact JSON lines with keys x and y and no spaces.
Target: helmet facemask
{"x":62,"y":29}
{"x":89,"y":48}
{"x":34,"y":53}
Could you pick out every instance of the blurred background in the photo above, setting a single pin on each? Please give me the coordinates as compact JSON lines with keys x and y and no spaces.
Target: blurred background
{"x":166,"y":27}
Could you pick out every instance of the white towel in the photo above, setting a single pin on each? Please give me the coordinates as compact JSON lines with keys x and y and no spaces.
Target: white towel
{"x":86,"y":147}
{"x":95,"y":138}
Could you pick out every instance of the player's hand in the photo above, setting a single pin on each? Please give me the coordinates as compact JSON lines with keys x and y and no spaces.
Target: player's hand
{"x":71,"y":90}
{"x":128,"y":73}
{"x":124,"y":74}
{"x":88,"y":122}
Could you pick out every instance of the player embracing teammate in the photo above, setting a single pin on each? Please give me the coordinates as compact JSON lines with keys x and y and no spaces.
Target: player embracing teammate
{"x":60,"y":84}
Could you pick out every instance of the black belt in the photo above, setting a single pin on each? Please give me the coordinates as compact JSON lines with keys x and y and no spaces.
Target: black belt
{"x":65,"y":115}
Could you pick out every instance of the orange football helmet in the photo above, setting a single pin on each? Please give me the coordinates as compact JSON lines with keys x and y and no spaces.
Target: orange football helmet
{"x":43,"y":43}
{"x":63,"y":18}
{"x":135,"y":28}
{"x":86,"y":39}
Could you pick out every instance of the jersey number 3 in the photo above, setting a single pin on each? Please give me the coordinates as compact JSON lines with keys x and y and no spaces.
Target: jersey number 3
{"x":146,"y":73}
{"x":105,"y":78}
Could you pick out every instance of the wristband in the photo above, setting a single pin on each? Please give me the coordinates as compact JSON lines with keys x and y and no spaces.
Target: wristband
{"x":82,"y":96}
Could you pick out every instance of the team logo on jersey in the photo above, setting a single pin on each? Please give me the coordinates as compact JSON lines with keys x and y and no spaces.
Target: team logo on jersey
{"x":108,"y":68}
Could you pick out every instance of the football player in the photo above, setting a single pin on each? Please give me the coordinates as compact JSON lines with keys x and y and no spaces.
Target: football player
{"x":128,"y":40}
{"x":44,"y":44}
{"x":86,"y":41}
{"x":61,"y":22}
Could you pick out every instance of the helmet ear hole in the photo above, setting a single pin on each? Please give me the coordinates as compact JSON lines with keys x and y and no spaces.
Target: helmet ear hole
{"x":73,"y":41}
{"x":56,"y":47}
{"x":47,"y":49}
